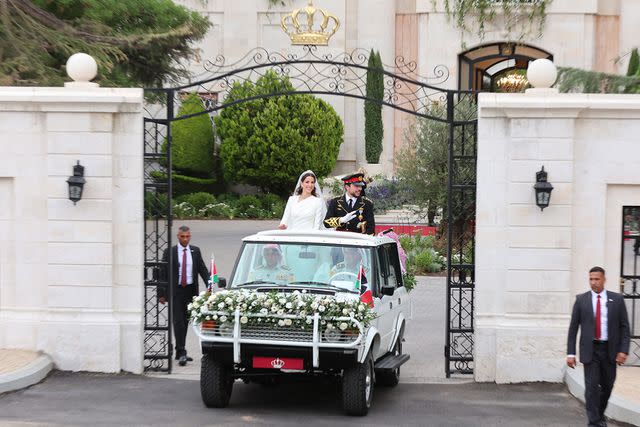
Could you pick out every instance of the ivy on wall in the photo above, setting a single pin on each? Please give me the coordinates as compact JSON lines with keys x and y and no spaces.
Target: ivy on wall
{"x":519,"y":18}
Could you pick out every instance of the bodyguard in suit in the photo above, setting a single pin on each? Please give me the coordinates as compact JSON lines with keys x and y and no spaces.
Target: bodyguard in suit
{"x":602,"y":318}
{"x":187,"y":265}
{"x":351,"y":211}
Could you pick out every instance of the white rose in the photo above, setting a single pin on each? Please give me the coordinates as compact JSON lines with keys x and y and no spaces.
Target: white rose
{"x":361,"y":307}
{"x":289,"y":305}
{"x":282,"y":301}
{"x":208,"y":317}
{"x":304,"y":291}
{"x":345,"y":311}
{"x":309,"y":320}
{"x":194,"y":314}
{"x":274,"y":308}
{"x":223,"y":318}
{"x":221,"y":305}
{"x":343,"y":326}
{"x":264,"y":311}
{"x":329,"y":326}
{"x":244,"y":320}
{"x":189,"y":307}
{"x":321,"y":308}
{"x":281,"y":312}
{"x":244,"y":306}
{"x":287,"y":322}
{"x":314,"y":305}
{"x":228,"y":300}
{"x":281,"y":322}
{"x":215,"y":317}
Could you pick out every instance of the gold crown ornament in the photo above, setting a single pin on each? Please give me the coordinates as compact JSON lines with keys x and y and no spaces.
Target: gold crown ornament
{"x":309,"y":34}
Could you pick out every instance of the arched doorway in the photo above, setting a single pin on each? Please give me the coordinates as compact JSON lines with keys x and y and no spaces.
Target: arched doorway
{"x":479,"y":68}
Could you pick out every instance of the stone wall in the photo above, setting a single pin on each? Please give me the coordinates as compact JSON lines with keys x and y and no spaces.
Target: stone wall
{"x":71,"y":276}
{"x":531,"y":263}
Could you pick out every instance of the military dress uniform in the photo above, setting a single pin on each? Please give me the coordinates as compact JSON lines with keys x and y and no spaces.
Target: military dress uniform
{"x":363,"y":222}
{"x":279,"y":273}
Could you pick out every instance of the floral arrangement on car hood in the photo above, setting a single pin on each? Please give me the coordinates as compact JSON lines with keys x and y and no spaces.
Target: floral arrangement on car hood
{"x":259,"y":308}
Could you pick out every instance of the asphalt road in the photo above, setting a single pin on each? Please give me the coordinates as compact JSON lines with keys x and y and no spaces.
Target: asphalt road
{"x":66,"y":399}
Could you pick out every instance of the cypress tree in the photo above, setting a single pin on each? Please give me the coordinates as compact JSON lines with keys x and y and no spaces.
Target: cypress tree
{"x":634,"y":63}
{"x":373,"y":126}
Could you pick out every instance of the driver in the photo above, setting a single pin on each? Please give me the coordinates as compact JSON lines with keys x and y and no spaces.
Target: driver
{"x":272,"y":270}
{"x":351,"y":263}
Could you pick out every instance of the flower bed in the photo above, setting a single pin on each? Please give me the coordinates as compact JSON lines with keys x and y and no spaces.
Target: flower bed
{"x":258,"y":308}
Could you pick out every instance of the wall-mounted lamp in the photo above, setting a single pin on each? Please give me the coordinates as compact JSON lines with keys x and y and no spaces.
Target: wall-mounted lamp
{"x":543,"y":189}
{"x":76,"y":183}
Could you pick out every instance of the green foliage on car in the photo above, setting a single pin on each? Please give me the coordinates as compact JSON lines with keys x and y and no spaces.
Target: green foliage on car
{"x":267,"y":142}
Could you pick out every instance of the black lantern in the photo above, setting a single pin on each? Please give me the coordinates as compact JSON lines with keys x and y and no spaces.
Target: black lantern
{"x":543,"y":189}
{"x":76,"y":183}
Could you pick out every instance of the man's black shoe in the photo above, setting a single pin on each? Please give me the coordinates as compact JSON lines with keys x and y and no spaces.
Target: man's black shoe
{"x":183,"y":360}
{"x":189,"y":359}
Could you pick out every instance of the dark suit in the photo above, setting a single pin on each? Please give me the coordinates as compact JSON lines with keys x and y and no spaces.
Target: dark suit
{"x":338,"y":207}
{"x":183,"y":296}
{"x":599,"y":358}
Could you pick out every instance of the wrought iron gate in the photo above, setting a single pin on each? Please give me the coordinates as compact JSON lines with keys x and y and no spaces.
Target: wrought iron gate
{"x":157,"y":238}
{"x":630,"y":276}
{"x":344,"y":75}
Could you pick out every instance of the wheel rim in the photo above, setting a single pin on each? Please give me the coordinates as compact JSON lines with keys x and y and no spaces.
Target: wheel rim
{"x":398,"y":352}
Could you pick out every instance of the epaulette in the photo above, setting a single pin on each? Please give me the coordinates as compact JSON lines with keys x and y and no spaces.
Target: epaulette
{"x":367,"y":199}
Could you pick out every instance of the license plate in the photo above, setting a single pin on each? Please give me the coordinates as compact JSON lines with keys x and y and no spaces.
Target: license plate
{"x":278,"y":363}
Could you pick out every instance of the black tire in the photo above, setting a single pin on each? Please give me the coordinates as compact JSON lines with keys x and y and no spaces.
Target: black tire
{"x":357,"y":387}
{"x":391,"y":377}
{"x":216,"y":383}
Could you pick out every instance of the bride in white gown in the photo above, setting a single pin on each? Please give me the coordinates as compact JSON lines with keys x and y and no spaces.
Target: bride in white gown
{"x":306,"y":209}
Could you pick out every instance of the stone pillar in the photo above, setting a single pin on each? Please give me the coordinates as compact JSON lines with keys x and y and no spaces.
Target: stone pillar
{"x":71,"y":280}
{"x":531,"y":263}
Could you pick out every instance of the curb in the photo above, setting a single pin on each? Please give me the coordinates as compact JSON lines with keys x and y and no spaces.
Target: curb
{"x":619,"y":409}
{"x":31,"y":374}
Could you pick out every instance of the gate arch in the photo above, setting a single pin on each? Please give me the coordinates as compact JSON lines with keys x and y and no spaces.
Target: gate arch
{"x":312,"y":73}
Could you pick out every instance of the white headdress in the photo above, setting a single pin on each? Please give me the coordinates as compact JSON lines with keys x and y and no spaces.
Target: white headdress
{"x":299,"y":183}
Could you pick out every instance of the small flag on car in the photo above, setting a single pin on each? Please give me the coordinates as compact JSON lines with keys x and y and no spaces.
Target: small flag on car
{"x":214,"y":273}
{"x":358,"y":283}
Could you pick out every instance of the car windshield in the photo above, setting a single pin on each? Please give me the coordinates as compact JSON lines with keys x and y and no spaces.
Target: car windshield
{"x":301,"y":265}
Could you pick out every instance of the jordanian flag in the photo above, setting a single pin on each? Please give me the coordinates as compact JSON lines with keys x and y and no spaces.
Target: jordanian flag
{"x":366,"y":296}
{"x":214,"y":273}
{"x":358,"y":283}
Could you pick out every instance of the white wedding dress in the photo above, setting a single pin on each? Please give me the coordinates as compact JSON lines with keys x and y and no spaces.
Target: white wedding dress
{"x":306,"y":214}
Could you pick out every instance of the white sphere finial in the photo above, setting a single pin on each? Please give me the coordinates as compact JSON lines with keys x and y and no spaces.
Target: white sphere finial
{"x":82,"y":68}
{"x":542,"y":73}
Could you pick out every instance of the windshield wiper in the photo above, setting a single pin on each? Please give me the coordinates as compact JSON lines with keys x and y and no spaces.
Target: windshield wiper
{"x":324,"y":285}
{"x":256,"y":282}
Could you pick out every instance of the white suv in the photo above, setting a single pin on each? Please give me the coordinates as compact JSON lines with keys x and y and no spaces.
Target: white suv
{"x":306,"y":303}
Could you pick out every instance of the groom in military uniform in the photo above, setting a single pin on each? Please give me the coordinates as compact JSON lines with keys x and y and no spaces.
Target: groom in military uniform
{"x":351,"y":211}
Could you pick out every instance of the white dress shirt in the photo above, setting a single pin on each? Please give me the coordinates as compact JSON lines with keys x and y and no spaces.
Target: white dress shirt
{"x":352,"y":199}
{"x":189,"y":265}
{"x":604,"y":312}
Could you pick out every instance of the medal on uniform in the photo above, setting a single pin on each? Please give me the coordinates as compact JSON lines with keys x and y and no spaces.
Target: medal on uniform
{"x":360,"y":217}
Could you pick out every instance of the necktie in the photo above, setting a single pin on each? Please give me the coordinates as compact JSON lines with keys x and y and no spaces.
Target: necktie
{"x":183,"y":276}
{"x":350,"y":204}
{"x":598,"y":318}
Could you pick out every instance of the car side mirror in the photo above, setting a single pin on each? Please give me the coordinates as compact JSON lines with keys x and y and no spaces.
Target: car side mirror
{"x":387,"y":290}
{"x":222,"y":282}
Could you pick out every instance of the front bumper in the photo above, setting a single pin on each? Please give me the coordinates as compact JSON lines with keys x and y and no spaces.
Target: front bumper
{"x":310,"y":348}
{"x":328,"y":358}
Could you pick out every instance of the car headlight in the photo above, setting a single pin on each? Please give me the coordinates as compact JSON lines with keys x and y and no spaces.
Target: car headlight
{"x":332,"y":335}
{"x":226,"y":329}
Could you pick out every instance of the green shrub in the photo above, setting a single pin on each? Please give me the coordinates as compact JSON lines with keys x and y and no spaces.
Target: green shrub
{"x":217,"y":210}
{"x":155,"y":205}
{"x":193,"y":141}
{"x":268,"y":200}
{"x":247,"y":202}
{"x":634,"y":63}
{"x":267,"y":142}
{"x":428,"y":261}
{"x":200,"y":200}
{"x":184,"y":210}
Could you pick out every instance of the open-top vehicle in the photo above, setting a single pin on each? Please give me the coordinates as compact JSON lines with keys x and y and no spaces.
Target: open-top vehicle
{"x":306,"y":303}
